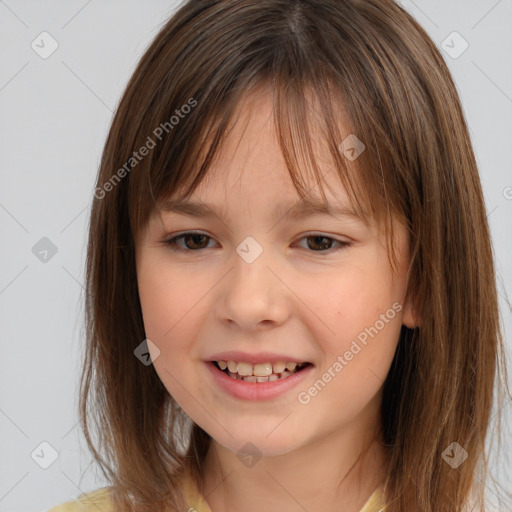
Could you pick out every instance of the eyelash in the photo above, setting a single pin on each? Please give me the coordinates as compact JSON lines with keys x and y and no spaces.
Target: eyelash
{"x":172,"y":242}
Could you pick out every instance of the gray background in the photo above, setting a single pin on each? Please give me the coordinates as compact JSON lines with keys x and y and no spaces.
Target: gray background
{"x":55,"y":113}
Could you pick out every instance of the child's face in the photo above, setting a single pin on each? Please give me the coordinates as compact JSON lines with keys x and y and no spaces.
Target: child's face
{"x":301,"y":297}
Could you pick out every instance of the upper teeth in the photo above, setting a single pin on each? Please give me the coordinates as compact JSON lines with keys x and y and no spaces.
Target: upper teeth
{"x":258,"y":370}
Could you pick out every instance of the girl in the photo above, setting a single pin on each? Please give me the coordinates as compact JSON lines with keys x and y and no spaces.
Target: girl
{"x":291,"y":298}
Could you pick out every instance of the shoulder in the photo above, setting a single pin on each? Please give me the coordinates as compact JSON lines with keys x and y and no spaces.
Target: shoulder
{"x":376,"y":502}
{"x":87,"y":502}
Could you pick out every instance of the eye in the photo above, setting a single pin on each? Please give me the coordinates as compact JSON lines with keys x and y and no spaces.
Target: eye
{"x":322,"y":243}
{"x":192,"y":241}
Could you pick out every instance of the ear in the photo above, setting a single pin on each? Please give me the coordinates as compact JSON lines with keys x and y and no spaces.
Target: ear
{"x":411,"y":318}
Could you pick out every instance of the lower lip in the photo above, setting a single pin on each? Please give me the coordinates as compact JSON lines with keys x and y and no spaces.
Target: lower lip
{"x":257,"y":390}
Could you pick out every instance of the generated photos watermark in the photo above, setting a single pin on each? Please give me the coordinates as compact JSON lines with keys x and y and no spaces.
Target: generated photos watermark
{"x":361,"y":341}
{"x":137,"y":156}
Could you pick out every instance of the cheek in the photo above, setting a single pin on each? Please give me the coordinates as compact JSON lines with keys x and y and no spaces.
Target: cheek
{"x":164,"y":303}
{"x":164,"y":295}
{"x":157,"y":304}
{"x":356,"y":359}
{"x":360,"y":317}
{"x":353,"y":298}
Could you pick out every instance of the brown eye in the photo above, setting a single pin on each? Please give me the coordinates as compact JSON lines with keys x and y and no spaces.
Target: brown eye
{"x":320,"y":242}
{"x":193,"y":242}
{"x":324,"y":244}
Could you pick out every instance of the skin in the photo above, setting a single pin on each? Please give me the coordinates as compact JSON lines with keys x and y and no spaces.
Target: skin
{"x":295,"y":298}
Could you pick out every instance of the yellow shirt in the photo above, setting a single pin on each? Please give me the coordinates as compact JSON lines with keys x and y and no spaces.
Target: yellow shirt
{"x":99,"y":500}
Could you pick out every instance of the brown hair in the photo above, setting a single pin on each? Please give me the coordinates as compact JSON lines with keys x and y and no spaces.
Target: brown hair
{"x":372,"y":59}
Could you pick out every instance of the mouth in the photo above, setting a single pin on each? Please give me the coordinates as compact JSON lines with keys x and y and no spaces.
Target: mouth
{"x":262,"y":372}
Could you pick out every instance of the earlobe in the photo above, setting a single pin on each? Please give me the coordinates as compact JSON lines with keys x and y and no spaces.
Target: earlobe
{"x":411,"y":318}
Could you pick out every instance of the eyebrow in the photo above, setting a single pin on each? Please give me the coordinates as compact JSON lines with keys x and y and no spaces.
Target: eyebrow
{"x":298,"y":210}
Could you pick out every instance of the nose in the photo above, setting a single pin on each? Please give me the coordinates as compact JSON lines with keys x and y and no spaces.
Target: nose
{"x":253,"y":296}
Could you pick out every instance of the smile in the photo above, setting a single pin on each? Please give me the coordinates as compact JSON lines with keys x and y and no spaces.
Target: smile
{"x":261,"y":372}
{"x":258,"y":387}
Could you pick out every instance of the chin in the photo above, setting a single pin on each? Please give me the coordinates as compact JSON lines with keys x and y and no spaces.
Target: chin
{"x":257,"y":443}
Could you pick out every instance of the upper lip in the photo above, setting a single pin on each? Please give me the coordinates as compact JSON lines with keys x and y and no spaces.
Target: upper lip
{"x":260,"y":357}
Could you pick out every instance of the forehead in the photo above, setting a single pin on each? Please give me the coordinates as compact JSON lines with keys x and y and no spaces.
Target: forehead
{"x":250,"y":161}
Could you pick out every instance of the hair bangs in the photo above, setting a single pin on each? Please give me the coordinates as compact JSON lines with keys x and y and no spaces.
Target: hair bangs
{"x":315,"y":132}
